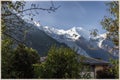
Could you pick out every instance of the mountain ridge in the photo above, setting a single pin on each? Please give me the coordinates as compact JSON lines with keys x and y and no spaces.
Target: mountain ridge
{"x":72,"y":38}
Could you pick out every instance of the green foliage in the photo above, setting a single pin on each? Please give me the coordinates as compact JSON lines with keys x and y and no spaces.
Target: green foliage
{"x":94,"y":32}
{"x":6,"y":53}
{"x":111,"y":24}
{"x":60,"y":63}
{"x":65,"y":60}
{"x":17,"y":63}
{"x":23,"y":59}
{"x":111,"y":72}
{"x":40,"y":71}
{"x":16,"y":6}
{"x":115,"y":68}
{"x":105,"y":74}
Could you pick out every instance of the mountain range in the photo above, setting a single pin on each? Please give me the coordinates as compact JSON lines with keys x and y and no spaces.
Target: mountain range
{"x":42,"y":38}
{"x":40,"y":41}
{"x":79,"y":39}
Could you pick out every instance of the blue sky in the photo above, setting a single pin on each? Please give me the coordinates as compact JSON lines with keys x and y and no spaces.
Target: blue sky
{"x":86,"y":14}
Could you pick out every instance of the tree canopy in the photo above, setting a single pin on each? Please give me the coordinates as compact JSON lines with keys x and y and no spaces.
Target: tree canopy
{"x":111,"y":23}
{"x":60,"y":63}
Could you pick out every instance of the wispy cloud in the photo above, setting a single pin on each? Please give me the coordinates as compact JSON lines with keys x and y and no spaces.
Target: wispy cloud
{"x":71,"y":13}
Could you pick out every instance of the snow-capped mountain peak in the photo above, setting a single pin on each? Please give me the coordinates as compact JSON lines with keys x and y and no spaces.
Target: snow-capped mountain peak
{"x":37,"y":23}
{"x":76,"y":37}
{"x":80,"y":32}
{"x":73,"y":33}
